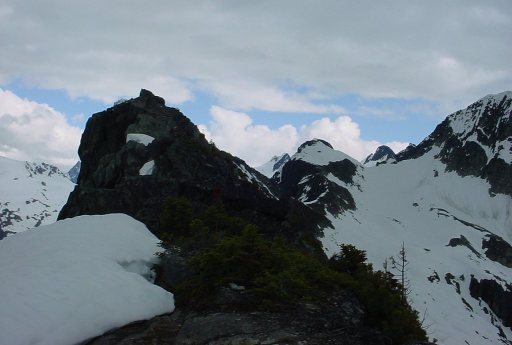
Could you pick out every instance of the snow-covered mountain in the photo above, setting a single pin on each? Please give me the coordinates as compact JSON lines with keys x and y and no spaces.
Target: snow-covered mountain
{"x":383,"y":154}
{"x":274,"y":165}
{"x":31,"y":194}
{"x":447,"y":199}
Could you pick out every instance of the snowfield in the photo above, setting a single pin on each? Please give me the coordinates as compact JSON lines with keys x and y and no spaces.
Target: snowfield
{"x":418,"y":203}
{"x":31,"y":194}
{"x":77,"y":278}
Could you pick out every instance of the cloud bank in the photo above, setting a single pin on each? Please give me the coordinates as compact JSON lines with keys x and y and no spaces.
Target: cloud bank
{"x":245,"y":53}
{"x":34,"y":131}
{"x":235,"y":132}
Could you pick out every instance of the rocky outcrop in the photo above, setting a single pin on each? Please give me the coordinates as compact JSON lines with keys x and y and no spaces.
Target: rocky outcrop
{"x":497,"y":249}
{"x":139,"y":152}
{"x":338,"y":321}
{"x":498,"y":299}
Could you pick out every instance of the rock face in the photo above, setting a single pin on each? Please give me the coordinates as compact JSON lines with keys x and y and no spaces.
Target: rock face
{"x":336,"y":322}
{"x":497,"y":298}
{"x":140,"y":152}
{"x":476,"y":141}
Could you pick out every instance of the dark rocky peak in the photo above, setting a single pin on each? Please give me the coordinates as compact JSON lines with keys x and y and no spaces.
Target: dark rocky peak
{"x":475,"y":141}
{"x":383,"y":154}
{"x":320,"y":177}
{"x":405,"y":152}
{"x":139,"y":152}
{"x":148,"y":99}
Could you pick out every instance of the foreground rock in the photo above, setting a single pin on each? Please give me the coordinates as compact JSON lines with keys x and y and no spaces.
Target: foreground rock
{"x":339,"y":322}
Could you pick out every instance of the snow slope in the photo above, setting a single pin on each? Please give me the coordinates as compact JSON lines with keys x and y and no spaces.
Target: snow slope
{"x":319,"y":152}
{"x":31,"y":194}
{"x":77,"y":278}
{"x":275,"y":164}
{"x":416,"y":202}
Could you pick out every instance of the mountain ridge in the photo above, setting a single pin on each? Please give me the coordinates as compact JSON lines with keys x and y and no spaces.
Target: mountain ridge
{"x":31,"y":194}
{"x":447,"y":200}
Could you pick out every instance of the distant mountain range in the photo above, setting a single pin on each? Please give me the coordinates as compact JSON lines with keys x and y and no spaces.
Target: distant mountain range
{"x":31,"y":194}
{"x":447,"y":201}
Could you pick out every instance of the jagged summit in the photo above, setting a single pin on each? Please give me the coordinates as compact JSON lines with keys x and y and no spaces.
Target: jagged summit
{"x":475,"y":141}
{"x":139,"y":152}
{"x":383,"y":154}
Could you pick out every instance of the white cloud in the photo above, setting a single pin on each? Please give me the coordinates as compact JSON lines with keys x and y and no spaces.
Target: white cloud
{"x":397,"y":146}
{"x":345,"y":135}
{"x":247,"y":96}
{"x":442,"y":51}
{"x":34,"y":131}
{"x":235,"y":132}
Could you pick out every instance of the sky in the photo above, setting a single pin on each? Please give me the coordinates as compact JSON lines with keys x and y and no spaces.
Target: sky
{"x":257,"y":77}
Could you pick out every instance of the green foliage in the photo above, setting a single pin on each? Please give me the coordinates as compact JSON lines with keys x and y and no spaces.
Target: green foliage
{"x":177,"y":216}
{"x":222,"y":250}
{"x":350,"y":260}
{"x":187,"y":231}
{"x":381,"y":294}
{"x":272,"y":272}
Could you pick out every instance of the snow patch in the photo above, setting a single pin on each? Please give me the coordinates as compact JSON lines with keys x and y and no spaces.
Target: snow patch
{"x":147,"y":168}
{"x":253,"y":178}
{"x":409,"y":202}
{"x":76,"y":279}
{"x":143,"y":139}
